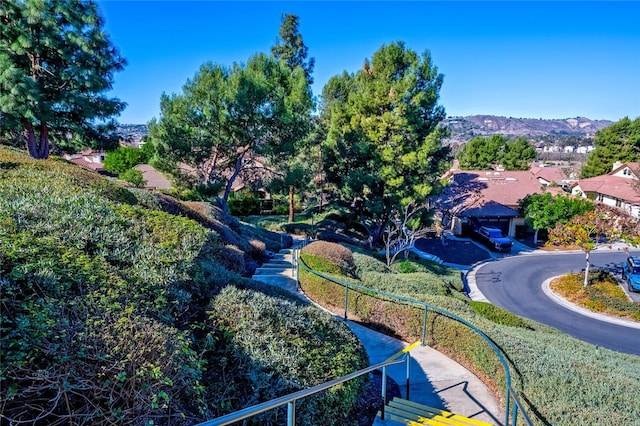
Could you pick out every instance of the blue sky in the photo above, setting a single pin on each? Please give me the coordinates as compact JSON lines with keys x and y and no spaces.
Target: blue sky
{"x":541,"y":59}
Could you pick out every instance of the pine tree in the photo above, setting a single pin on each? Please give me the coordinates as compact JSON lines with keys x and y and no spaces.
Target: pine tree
{"x":383,"y":148}
{"x":56,"y":62}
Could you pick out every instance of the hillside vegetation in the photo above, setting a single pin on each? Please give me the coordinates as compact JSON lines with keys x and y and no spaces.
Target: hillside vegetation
{"x":124,"y":307}
{"x":561,"y":380}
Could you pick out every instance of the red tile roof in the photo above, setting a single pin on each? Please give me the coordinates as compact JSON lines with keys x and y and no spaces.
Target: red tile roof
{"x":505,"y":187}
{"x":613,"y":186}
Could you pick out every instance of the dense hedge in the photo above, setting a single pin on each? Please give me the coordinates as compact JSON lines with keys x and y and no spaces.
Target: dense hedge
{"x":560,"y":379}
{"x":124,"y":307}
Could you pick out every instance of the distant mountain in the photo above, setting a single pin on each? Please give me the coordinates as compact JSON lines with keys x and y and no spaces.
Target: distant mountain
{"x":465,"y":128}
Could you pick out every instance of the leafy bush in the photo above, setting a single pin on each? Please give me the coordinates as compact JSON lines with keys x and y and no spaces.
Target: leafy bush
{"x":134,"y":177}
{"x":125,"y":158}
{"x":498,"y":315}
{"x":298,"y":228}
{"x":104,"y":298}
{"x":416,"y":284}
{"x":274,"y":367}
{"x":244,"y":204}
{"x":364,"y":263}
{"x":338,"y":256}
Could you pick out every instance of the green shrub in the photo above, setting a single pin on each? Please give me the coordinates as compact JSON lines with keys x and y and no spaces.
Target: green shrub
{"x":275,"y":367}
{"x":450,"y":276}
{"x":125,"y":158}
{"x":499,"y":315}
{"x":364,"y":263}
{"x":134,"y":177}
{"x":416,"y":284}
{"x":104,"y":292}
{"x":244,"y":204}
{"x":298,"y":228}
{"x":338,"y":256}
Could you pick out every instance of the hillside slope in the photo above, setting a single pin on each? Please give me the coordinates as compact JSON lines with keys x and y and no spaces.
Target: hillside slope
{"x":465,"y":128}
{"x":120,"y":306}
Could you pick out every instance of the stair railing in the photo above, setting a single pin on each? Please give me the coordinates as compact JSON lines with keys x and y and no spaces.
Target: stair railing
{"x":510,"y":394}
{"x":290,"y":400}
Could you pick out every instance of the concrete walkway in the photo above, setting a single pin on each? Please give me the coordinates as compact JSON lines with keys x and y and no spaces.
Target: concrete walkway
{"x":435,"y":380}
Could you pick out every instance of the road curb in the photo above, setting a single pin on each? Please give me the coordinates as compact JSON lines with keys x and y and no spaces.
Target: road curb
{"x":546,"y":288}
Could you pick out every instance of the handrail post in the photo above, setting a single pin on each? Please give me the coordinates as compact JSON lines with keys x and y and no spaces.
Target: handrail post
{"x":294,"y":262}
{"x":384,"y":391}
{"x":424,"y":327}
{"x":346,"y":300}
{"x":408,"y":358}
{"x":291,"y":413}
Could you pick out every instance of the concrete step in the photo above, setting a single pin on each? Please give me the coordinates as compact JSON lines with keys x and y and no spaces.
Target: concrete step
{"x":286,"y":271}
{"x":276,"y":263}
{"x":411,"y":413}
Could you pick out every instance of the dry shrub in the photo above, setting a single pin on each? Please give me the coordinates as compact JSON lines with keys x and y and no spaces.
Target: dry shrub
{"x":257,"y":248}
{"x":335,"y":254}
{"x":230,"y":257}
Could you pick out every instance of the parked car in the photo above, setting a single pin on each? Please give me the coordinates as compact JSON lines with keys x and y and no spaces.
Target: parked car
{"x":493,"y":238}
{"x":631,"y":273}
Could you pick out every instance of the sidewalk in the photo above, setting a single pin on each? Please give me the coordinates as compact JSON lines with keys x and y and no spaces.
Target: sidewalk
{"x":435,"y":380}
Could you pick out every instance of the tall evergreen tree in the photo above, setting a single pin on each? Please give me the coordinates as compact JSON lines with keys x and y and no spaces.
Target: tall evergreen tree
{"x":482,"y":153}
{"x":519,"y":154}
{"x":383,"y":148}
{"x":56,"y":62}
{"x":618,"y":142}
{"x":291,"y":49}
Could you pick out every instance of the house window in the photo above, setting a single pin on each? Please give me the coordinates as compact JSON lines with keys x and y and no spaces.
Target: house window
{"x":626,"y":172}
{"x":600,"y":197}
{"x":618,"y":203}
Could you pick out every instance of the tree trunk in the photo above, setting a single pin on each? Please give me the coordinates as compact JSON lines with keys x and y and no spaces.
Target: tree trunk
{"x":586,"y":270}
{"x":224,"y":201}
{"x":535,"y":238}
{"x":37,"y":147}
{"x":290,"y":203}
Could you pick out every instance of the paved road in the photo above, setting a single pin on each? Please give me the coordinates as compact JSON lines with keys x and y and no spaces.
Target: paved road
{"x":515,"y":284}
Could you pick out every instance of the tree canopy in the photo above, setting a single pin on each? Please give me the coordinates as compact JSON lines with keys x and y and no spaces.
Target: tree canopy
{"x":125,"y":157}
{"x":56,"y":63}
{"x":618,"y":142}
{"x":383,"y":147}
{"x":227,"y":117}
{"x":544,"y":211}
{"x":290,"y":46}
{"x":483,"y":153}
{"x":595,"y":228}
{"x":296,"y":169}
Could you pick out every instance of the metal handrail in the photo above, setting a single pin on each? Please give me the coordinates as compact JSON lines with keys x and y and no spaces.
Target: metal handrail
{"x":290,"y":399}
{"x":510,"y":393}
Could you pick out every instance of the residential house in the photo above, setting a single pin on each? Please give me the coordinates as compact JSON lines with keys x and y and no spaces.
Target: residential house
{"x":619,"y":188}
{"x":89,"y":159}
{"x":491,"y":198}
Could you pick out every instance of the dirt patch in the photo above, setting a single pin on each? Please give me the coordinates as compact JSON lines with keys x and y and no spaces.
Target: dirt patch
{"x":460,"y":252}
